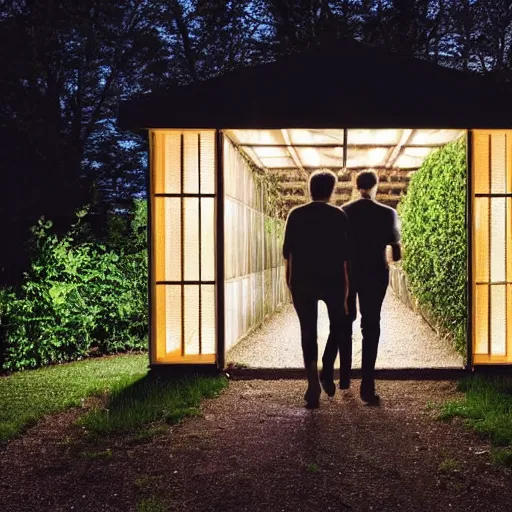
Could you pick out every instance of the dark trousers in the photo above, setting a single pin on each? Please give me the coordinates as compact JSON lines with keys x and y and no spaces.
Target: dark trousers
{"x":370,"y":289}
{"x":305,"y":300}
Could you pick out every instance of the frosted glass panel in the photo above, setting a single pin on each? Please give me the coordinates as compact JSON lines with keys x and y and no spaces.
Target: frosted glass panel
{"x":498,"y":163}
{"x":207,"y":239}
{"x":481,"y":163}
{"x":208,"y":319}
{"x":509,"y":240}
{"x":498,"y":254}
{"x":173,"y":319}
{"x":191,"y":320}
{"x":498,"y":320}
{"x":167,"y":239}
{"x":191,"y":238}
{"x":481,"y":307}
{"x":481,"y":242}
{"x":172,"y":239}
{"x":191,"y":160}
{"x":208,"y":162}
{"x":172,"y":164}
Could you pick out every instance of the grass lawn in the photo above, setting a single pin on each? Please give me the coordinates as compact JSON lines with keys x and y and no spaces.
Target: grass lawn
{"x":130,"y":397}
{"x":487,"y":409}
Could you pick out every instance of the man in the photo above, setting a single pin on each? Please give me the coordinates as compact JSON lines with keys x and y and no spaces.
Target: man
{"x":373,"y":226}
{"x":316,"y":252}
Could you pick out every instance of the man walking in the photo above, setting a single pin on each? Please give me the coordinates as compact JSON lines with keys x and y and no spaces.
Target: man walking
{"x":373,"y":226}
{"x":316,"y":252}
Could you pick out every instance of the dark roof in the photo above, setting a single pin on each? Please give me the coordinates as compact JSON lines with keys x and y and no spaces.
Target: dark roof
{"x":344,"y":84}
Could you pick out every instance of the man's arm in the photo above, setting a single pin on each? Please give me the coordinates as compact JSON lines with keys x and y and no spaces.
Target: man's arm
{"x":347,"y":241}
{"x":287,"y":245}
{"x":396,"y":247}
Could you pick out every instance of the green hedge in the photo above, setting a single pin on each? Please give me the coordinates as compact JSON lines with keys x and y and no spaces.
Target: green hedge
{"x":434,"y":238}
{"x":80,"y":296}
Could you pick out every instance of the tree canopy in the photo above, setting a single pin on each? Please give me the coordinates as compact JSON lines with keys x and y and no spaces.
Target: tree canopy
{"x":67,"y":64}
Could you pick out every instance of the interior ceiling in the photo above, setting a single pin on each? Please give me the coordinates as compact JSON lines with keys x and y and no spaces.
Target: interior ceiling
{"x":351,"y":149}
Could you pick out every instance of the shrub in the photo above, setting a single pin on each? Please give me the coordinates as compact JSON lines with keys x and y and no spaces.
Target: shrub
{"x":79,"y":296}
{"x":434,"y":238}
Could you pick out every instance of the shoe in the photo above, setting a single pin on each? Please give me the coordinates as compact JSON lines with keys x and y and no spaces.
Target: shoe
{"x":370,"y":399}
{"x":312,"y":398}
{"x":327,"y":384}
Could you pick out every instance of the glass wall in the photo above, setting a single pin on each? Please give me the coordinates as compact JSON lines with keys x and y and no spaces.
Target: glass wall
{"x":492,"y":246}
{"x":254,"y":270}
{"x":182,"y":187}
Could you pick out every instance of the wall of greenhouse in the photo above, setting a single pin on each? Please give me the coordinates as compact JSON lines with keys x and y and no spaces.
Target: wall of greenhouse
{"x":254,"y":271}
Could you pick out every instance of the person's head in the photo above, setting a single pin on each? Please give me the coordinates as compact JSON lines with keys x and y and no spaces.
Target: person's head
{"x":321,"y":185}
{"x":366,"y":182}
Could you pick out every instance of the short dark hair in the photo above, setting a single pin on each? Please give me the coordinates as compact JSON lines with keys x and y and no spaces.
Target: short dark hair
{"x":365,"y":180}
{"x":321,"y":184}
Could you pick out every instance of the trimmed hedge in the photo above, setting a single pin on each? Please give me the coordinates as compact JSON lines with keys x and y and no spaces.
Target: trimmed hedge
{"x":434,"y":238}
{"x":80,"y":296}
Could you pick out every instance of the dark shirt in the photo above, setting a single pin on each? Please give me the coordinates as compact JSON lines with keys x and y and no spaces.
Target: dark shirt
{"x":316,"y":235}
{"x":373,"y":226}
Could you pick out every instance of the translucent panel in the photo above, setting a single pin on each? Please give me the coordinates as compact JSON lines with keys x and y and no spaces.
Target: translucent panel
{"x":229,"y":249}
{"x":207,"y":239}
{"x":509,"y":240}
{"x":167,"y":239}
{"x":316,"y":136}
{"x":481,"y":163}
{"x":498,"y":252}
{"x":481,"y":316}
{"x":409,"y":161}
{"x":370,"y":157}
{"x":173,"y":318}
{"x":191,"y":319}
{"x":373,"y":137}
{"x":481,"y":239}
{"x":191,"y":238}
{"x":271,"y":152}
{"x":207,"y":142}
{"x":509,"y":323}
{"x":257,"y":136}
{"x":434,"y":137}
{"x":157,"y":155}
{"x":498,"y":163}
{"x":191,"y":163}
{"x":172,"y":163}
{"x":276,"y":163}
{"x":208,"y":326}
{"x":498,"y":320}
{"x":320,"y":157}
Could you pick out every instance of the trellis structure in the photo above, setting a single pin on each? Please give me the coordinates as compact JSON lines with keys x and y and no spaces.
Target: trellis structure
{"x":215,"y":269}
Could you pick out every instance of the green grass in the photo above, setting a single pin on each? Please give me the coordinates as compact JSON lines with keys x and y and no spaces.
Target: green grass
{"x":486,"y":409}
{"x":151,"y":401}
{"x":130,"y":397}
{"x":27,"y":396}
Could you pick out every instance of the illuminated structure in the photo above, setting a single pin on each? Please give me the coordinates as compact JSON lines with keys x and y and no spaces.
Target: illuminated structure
{"x":215,"y":266}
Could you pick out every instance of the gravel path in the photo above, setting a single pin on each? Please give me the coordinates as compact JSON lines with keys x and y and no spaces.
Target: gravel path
{"x":407,"y":341}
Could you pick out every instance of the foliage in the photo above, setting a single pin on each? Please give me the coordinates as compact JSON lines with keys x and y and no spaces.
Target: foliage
{"x":487,"y":409}
{"x":78,"y":297}
{"x":434,"y":237}
{"x":25,"y":397}
{"x":150,"y":401}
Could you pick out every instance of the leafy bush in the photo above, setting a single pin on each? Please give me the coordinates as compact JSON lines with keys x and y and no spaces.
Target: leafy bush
{"x":434,"y":238}
{"x":79,"y":297}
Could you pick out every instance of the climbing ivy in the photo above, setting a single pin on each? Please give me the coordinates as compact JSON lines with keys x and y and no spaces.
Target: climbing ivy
{"x":434,"y":238}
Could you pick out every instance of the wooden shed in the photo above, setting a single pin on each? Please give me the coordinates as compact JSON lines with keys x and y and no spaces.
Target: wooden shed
{"x":215,"y":266}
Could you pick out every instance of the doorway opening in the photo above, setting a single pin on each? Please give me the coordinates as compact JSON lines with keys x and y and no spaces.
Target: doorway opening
{"x":265,"y":175}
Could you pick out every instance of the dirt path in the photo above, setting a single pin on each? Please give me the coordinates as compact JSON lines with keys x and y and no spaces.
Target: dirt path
{"x":256,"y":448}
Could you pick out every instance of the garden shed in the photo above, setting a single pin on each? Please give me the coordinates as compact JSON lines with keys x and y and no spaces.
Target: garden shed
{"x":220,"y":151}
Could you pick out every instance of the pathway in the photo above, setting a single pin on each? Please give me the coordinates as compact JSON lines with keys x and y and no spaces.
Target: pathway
{"x":407,"y":341}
